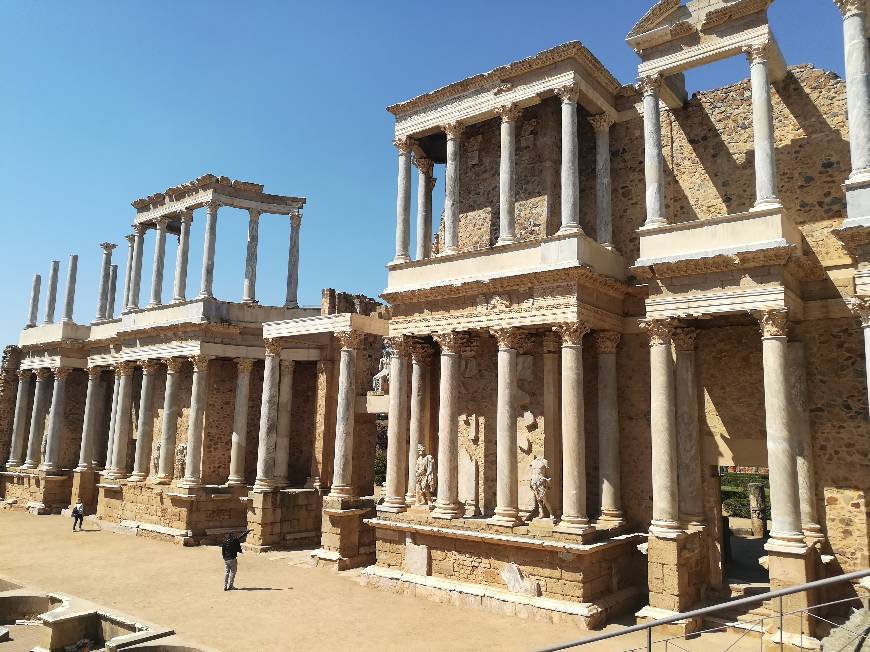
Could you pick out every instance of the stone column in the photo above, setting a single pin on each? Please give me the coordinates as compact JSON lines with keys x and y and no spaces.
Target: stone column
{"x":123,"y":421}
{"x":654,"y":165}
{"x":268,"y":419}
{"x":421,"y":358}
{"x":70,"y":298}
{"x":136,"y":275}
{"x":663,"y":427}
{"x":397,"y":425}
{"x":198,"y":399}
{"x":19,"y":424}
{"x":552,"y":418}
{"x":51,"y":463}
{"x":606,"y":345}
{"x":425,"y":184}
{"x":689,"y":456}
{"x":782,"y":438}
{"x":285,"y":420}
{"x":507,"y":171}
{"x":180,"y":285}
{"x":249,"y":291}
{"x":86,"y":451}
{"x":453,"y":131}
{"x":159,"y":258}
{"x":51,"y":299}
{"x":292,"y":300}
{"x":206,"y":286}
{"x":570,"y":162}
{"x":766,"y":184}
{"x":857,"y":83}
{"x":342,"y":481}
{"x":574,"y":516}
{"x":37,"y":418}
{"x":169,"y":427}
{"x":240,"y":421}
{"x":447,"y":503}
{"x":113,"y":413}
{"x":33,"y":311}
{"x":507,"y":490}
{"x":860,"y":307}
{"x":145,"y":429}
{"x":128,"y":270}
{"x":113,"y":286}
{"x":603,"y":201}
{"x":403,"y":200}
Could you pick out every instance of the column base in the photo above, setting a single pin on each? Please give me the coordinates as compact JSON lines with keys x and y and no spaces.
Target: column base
{"x":654,"y":223}
{"x":505,"y":241}
{"x":505,"y":518}
{"x":567,"y":229}
{"x":610,"y":520}
{"x":574,"y":525}
{"x":449,"y":251}
{"x":161,"y":479}
{"x":813,"y":533}
{"x":447,"y":511}
{"x":791,"y":541}
{"x":263,"y":485}
{"x":294,"y":304}
{"x":137,"y":477}
{"x":398,"y":260}
{"x":115,"y":475}
{"x":48,"y":468}
{"x":765,"y":204}
{"x":250,"y":302}
{"x":393,"y":506}
{"x":153,"y":305}
{"x":341,"y":491}
{"x":190,"y":483}
{"x":665,"y":528}
{"x":235,"y":482}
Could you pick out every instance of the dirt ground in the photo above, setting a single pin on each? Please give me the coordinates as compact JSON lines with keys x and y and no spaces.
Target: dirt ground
{"x":283,"y":602}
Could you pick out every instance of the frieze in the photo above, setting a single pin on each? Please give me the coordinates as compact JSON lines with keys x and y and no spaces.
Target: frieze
{"x":773,"y":256}
{"x":733,"y":11}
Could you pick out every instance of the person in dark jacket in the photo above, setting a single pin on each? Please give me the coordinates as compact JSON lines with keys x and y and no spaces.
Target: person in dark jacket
{"x":230,"y":549}
{"x":78,"y":514}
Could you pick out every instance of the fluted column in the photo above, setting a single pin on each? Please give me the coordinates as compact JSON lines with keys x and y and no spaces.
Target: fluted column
{"x":249,"y":290}
{"x":268,"y":419}
{"x":198,"y":399}
{"x":425,"y":184}
{"x":240,"y":421}
{"x":145,"y":429}
{"x":123,"y":421}
{"x":663,"y":427}
{"x":51,"y":299}
{"x":860,"y":307}
{"x":37,"y":418}
{"x":857,"y":83}
{"x":507,"y":173}
{"x":33,"y":310}
{"x":507,"y":489}
{"x":451,"y":189}
{"x":136,"y":275}
{"x":206,"y":288}
{"x":51,"y":463}
{"x":128,"y":270}
{"x":70,"y":297}
{"x":285,"y":421}
{"x":421,"y":358}
{"x":159,"y":258}
{"x":570,"y":171}
{"x":19,"y":424}
{"x":397,"y":425}
{"x":606,"y":345}
{"x":403,"y":200}
{"x":603,"y":201}
{"x":113,"y":286}
{"x":654,"y":165}
{"x":92,"y":399}
{"x":574,"y":515}
{"x":342,"y":475}
{"x":690,"y":479}
{"x":766,"y":184}
{"x":447,"y":503}
{"x":169,"y":427}
{"x":180,"y":285}
{"x":292,"y":300}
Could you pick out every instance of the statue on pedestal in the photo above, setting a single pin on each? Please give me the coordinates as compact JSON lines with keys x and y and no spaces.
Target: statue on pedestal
{"x":424,"y":473}
{"x":381,"y":380}
{"x":540,"y":483}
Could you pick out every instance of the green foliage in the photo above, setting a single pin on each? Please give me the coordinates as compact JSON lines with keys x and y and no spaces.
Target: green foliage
{"x":735,"y":494}
{"x":380,"y":467}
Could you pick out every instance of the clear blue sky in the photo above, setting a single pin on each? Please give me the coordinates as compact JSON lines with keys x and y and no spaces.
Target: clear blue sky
{"x":104,"y":102}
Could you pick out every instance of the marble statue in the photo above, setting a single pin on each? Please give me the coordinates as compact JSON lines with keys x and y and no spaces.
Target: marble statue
{"x":424,"y":473}
{"x":540,"y":483}
{"x":381,"y":380}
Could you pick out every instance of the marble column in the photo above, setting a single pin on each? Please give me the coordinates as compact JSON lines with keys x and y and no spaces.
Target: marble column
{"x":606,"y":346}
{"x":113,"y":286}
{"x":86,"y":449}
{"x":206,"y":289}
{"x":56,"y":417}
{"x":113,"y":413}
{"x":570,"y":173}
{"x":447,"y":504}
{"x":240,"y":421}
{"x":249,"y":290}
{"x":766,"y":184}
{"x":285,"y":421}
{"x":782,"y":437}
{"x":507,"y":489}
{"x":397,"y":426}
{"x":507,"y":173}
{"x":179,"y":289}
{"x":425,"y":184}
{"x":70,"y":298}
{"x":663,"y":427}
{"x":342,"y":475}
{"x":403,"y":200}
{"x":33,"y":310}
{"x":574,"y":516}
{"x":51,"y":299}
{"x":860,"y":306}
{"x":552,"y":417}
{"x":268,"y":419}
{"x":159,"y":258}
{"x":857,"y":83}
{"x":689,"y":455}
{"x":198,"y":399}
{"x":453,"y":131}
{"x":169,"y":425}
{"x":603,"y":200}
{"x":19,"y":424}
{"x":128,"y":270}
{"x":145,"y":428}
{"x":136,"y":274}
{"x":654,"y":164}
{"x":41,"y":400}
{"x":421,"y":358}
{"x":123,"y":421}
{"x":292,"y":300}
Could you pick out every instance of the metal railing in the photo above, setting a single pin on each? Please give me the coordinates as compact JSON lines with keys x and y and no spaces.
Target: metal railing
{"x":779,"y":594}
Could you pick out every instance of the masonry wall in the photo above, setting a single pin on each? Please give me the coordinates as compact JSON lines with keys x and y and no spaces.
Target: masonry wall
{"x":302,"y":422}
{"x":8,"y":390}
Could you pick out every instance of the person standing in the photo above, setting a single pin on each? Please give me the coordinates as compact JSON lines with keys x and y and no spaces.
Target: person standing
{"x":78,"y":514}
{"x":230,"y":549}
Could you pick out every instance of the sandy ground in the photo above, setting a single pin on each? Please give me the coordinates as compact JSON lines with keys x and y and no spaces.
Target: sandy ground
{"x":283,"y":602}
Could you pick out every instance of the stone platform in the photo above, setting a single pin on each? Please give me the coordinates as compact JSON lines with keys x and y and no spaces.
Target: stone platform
{"x":35,"y":491}
{"x":287,"y":518}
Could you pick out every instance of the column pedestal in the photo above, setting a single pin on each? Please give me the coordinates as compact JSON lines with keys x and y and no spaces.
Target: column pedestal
{"x":346,"y":542}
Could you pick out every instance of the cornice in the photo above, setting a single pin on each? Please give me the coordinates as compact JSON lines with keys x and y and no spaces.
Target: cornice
{"x":773,"y":256}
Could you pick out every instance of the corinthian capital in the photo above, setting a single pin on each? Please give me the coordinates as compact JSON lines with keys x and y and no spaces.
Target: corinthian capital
{"x":453,"y":129}
{"x":425,"y":165}
{"x":850,"y":7}
{"x":130,"y":239}
{"x":107,"y":247}
{"x":200,"y":362}
{"x":25,"y":374}
{"x":273,"y":348}
{"x":43,"y":373}
{"x":567,"y":93}
{"x":399,"y":346}
{"x":860,"y":307}
{"x":649,"y":85}
{"x":658,"y":330}
{"x":124,"y":368}
{"x":773,"y":322}
{"x":403,"y":144}
{"x":421,"y":352}
{"x":684,"y":339}
{"x":173,"y":365}
{"x":757,"y":52}
{"x":572,"y":333}
{"x":351,"y":340}
{"x":508,"y":338}
{"x":509,"y":112}
{"x":150,"y":367}
{"x":607,"y":341}
{"x":451,"y":342}
{"x":601,"y":122}
{"x":62,"y":372}
{"x":244,"y":365}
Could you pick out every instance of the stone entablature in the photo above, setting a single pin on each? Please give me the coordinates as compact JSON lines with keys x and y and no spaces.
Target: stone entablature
{"x":325,"y":324}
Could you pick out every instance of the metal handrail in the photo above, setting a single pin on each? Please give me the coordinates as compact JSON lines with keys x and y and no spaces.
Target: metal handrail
{"x":648,"y":627}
